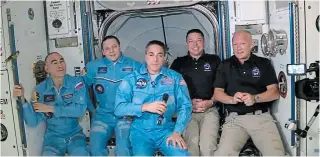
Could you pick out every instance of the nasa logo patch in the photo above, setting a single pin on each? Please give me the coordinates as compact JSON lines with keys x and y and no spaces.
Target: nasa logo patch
{"x":141,"y":83}
{"x":207,"y":67}
{"x":255,"y":72}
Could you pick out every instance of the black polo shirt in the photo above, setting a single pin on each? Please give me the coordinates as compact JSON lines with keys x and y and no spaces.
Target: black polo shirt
{"x":198,"y":74}
{"x":251,"y":77}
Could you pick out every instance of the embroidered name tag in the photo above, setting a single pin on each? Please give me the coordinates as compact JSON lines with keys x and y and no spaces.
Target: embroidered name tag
{"x":68,"y":96}
{"x":102,"y":70}
{"x":167,"y":81}
{"x":49,"y":98}
{"x":127,"y":69}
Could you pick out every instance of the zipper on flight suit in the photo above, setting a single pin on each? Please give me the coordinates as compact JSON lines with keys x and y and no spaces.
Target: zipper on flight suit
{"x":114,"y":70}
{"x":58,"y":96}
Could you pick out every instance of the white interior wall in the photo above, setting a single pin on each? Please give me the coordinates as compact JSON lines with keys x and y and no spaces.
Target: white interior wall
{"x":310,"y":144}
{"x":279,"y":19}
{"x":303,"y":109}
{"x":30,"y":40}
{"x":309,"y":53}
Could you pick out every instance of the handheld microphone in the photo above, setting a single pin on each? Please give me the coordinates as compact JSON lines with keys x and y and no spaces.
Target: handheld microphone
{"x":165,"y":98}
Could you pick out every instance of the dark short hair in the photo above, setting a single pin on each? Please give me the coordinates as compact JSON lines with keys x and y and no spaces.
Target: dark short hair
{"x":110,"y":37}
{"x":49,"y":54}
{"x":194,"y":31}
{"x":159,"y":43}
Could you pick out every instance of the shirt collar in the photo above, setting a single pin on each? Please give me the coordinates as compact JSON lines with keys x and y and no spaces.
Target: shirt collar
{"x":144,"y":70}
{"x":252,"y":59}
{"x":50,"y":84}
{"x":110,"y":62}
{"x":194,"y":59}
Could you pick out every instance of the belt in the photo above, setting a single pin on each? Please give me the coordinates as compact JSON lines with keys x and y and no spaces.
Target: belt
{"x":208,"y":110}
{"x":256,"y":112}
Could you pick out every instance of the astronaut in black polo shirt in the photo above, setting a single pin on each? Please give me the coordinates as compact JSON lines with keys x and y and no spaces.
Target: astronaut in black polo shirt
{"x":247,"y":85}
{"x":199,"y":71}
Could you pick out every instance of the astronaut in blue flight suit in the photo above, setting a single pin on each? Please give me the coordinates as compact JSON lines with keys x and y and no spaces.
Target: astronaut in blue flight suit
{"x":60,"y":100}
{"x":142,"y":95}
{"x":105,"y":75}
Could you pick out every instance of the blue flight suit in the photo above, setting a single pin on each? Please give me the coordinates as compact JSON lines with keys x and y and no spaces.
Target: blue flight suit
{"x":105,"y":76}
{"x":146,"y":135}
{"x":63,"y":134}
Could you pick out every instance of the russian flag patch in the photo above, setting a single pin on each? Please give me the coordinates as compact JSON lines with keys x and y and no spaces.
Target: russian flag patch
{"x":79,"y":85}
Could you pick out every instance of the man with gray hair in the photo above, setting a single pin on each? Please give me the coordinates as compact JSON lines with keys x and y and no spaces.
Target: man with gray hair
{"x":60,"y":100}
{"x":247,"y":85}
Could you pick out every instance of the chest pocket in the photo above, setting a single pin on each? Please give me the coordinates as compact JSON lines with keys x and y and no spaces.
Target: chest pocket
{"x":242,"y":81}
{"x":101,"y":82}
{"x":127,"y":69}
{"x":167,"y":85}
{"x":208,"y":71}
{"x":188,"y":73}
{"x":141,"y":95}
{"x":49,"y":99}
{"x":187,"y":70}
{"x":253,"y":74}
{"x":67,"y":98}
{"x":122,"y":72}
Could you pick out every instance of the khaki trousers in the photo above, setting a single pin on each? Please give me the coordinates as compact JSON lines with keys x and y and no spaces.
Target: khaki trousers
{"x":202,"y":133}
{"x":239,"y":128}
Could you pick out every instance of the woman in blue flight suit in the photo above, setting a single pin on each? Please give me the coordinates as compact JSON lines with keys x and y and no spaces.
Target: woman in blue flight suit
{"x":60,"y":100}
{"x":153,"y":94}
